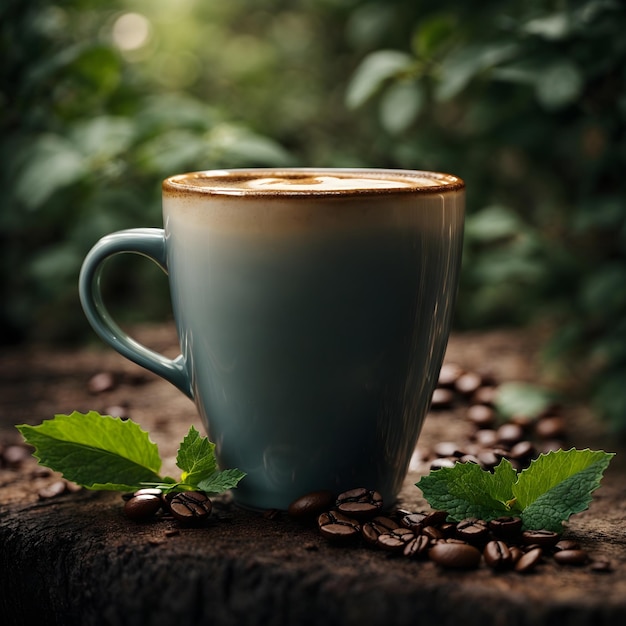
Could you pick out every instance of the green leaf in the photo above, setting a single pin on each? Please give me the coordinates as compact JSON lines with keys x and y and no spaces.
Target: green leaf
{"x":523,"y":399}
{"x":231,"y":144}
{"x":400,"y":105}
{"x":103,"y":137}
{"x":493,"y":223}
{"x":559,"y":84}
{"x":552,"y":27}
{"x":557,"y":485}
{"x":462,"y":65}
{"x":53,"y":163}
{"x":374,"y":70}
{"x":466,"y":490}
{"x":554,"y":487}
{"x":221,"y":481}
{"x":433,"y":33}
{"x":95,"y":451}
{"x":196,"y":457}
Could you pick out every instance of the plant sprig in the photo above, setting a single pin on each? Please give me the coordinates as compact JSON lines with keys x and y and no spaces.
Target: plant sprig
{"x":101,"y":452}
{"x":544,"y":495}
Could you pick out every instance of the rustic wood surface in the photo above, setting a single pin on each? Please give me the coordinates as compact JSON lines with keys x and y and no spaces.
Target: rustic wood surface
{"x":74,"y":558}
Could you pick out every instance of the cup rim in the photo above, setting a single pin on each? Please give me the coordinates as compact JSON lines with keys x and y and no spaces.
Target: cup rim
{"x":198,"y":182}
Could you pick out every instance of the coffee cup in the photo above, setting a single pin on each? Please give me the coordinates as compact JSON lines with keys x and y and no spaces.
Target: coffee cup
{"x":313,"y":308}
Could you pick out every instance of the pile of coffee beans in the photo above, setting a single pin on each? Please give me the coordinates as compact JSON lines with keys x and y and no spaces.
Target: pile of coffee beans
{"x":187,"y":507}
{"x":519,"y":438}
{"x":356,"y":518}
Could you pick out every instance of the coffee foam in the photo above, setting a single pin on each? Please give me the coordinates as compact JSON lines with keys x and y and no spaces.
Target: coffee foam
{"x":306,"y":181}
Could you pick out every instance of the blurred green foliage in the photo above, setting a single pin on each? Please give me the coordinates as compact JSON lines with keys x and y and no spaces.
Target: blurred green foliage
{"x":526,"y":101}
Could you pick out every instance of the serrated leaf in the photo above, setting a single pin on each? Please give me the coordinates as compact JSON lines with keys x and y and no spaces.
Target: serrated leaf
{"x":221,"y":481}
{"x":196,"y":457}
{"x":557,"y":485}
{"x":466,"y":490}
{"x":95,"y":451}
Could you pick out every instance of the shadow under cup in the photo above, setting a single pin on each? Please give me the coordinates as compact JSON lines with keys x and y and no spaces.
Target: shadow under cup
{"x":313,"y":310}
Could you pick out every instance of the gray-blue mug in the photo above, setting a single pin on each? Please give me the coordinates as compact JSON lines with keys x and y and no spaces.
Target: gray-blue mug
{"x":313,"y":308}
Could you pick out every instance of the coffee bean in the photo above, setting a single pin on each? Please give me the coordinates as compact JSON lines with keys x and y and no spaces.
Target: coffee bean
{"x":497,"y":555}
{"x":542,"y":538}
{"x":528,"y":561}
{"x":442,"y":398}
{"x":488,"y":459}
{"x":516,"y":553}
{"x":571,"y":557}
{"x":447,"y":529}
{"x":311,"y":505}
{"x":481,"y":415}
{"x":190,"y":507}
{"x":510,"y":434}
{"x":101,"y":382}
{"x":522,"y":450}
{"x":338,"y":527}
{"x":414,"y":521}
{"x":142,"y":506}
{"x":485,"y":395}
{"x":455,"y":555}
{"x":117,"y":410}
{"x":601,"y":565}
{"x":443,"y":462}
{"x":373,"y":529}
{"x":551,"y":427}
{"x":506,"y":528}
{"x":468,"y":383}
{"x":434,"y":518}
{"x":54,"y":489}
{"x":360,"y":503}
{"x":472,"y":530}
{"x":15,"y":455}
{"x":469,"y":458}
{"x":487,"y":437}
{"x":395,"y":540}
{"x":152,"y":491}
{"x":566,"y":544}
{"x":449,"y":374}
{"x":447,"y":449}
{"x":417,"y":547}
{"x":432,"y":533}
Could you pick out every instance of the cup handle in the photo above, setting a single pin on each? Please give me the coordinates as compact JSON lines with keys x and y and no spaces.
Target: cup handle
{"x":148,"y":242}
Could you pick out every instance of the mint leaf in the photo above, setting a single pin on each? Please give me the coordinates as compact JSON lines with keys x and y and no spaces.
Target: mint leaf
{"x":466,"y":490}
{"x":221,"y":481}
{"x":545,"y":494}
{"x":196,"y":457}
{"x":557,"y":485}
{"x":95,"y":451}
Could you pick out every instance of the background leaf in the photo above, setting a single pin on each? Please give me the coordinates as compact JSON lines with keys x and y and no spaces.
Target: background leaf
{"x":373,"y":71}
{"x":523,"y":399}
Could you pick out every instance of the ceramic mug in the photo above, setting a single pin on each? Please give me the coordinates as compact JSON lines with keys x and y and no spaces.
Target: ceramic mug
{"x":313,"y":308}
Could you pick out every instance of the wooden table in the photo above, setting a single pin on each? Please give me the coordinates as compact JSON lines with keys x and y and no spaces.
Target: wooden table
{"x":74,"y":558}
